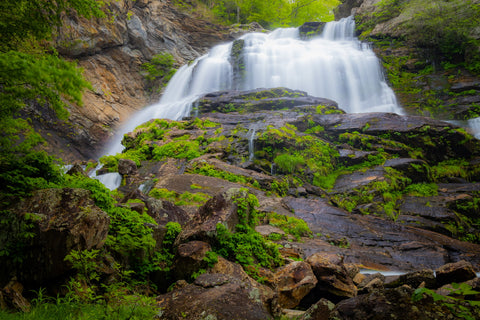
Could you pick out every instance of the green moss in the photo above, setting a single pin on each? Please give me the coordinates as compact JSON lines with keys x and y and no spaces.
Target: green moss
{"x":180,"y":199}
{"x":290,"y":225}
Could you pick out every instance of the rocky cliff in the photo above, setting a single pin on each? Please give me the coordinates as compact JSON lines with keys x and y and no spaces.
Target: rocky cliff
{"x":111,"y":52}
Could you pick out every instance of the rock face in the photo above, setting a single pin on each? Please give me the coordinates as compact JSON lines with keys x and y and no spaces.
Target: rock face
{"x":60,"y":220}
{"x":111,"y":52}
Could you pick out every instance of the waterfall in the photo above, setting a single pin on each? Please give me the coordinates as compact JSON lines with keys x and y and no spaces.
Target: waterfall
{"x":334,"y":65}
{"x":251,"y":146}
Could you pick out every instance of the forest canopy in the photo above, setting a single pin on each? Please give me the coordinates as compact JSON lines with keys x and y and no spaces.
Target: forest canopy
{"x":270,"y":14}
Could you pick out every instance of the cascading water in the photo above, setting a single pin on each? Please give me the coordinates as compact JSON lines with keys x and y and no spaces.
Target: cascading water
{"x":334,"y":65}
{"x":251,"y":143}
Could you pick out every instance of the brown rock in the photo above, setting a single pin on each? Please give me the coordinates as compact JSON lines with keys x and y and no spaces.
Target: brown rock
{"x":214,"y":296}
{"x":334,"y":282}
{"x":319,"y":311}
{"x":219,"y":209}
{"x":127,"y":167}
{"x":267,"y":295}
{"x":164,"y":211}
{"x":63,"y":220}
{"x":189,"y":258}
{"x":294,"y":281}
{"x":460,"y":271}
{"x":415,"y":279}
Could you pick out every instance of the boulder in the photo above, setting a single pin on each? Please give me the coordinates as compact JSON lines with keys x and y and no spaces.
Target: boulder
{"x":189,"y":259}
{"x":460,"y":271}
{"x":219,"y":209}
{"x":214,"y":296}
{"x":424,"y":278}
{"x":394,"y":303}
{"x":334,"y":283}
{"x":163,"y":211}
{"x":294,"y":281}
{"x":321,"y":310}
{"x":267,"y":295}
{"x":127,"y":167}
{"x":60,"y":220}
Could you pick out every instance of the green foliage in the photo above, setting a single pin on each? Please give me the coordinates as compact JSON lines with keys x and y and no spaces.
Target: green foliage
{"x":272,"y":13}
{"x":100,"y":194}
{"x":21,"y":174}
{"x":210,"y":171}
{"x":183,"y":199}
{"x":445,"y":27}
{"x":162,"y":260}
{"x":290,"y":225}
{"x":15,"y":233}
{"x":181,"y":149}
{"x":160,"y":68}
{"x":247,"y":248}
{"x":22,"y":20}
{"x":129,"y":234}
{"x":457,"y":301}
{"x":450,"y":168}
{"x":289,"y":163}
{"x":422,"y":189}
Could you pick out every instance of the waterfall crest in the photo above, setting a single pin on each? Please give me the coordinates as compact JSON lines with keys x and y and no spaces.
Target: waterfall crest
{"x":334,"y":65}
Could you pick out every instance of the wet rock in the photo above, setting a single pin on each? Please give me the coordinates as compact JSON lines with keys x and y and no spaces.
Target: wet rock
{"x":61,"y":220}
{"x":436,"y":138}
{"x":294,"y":281}
{"x":311,"y":29}
{"x":460,"y":271}
{"x":377,"y":243}
{"x":260,"y":99}
{"x":76,"y":169}
{"x":215,"y":296}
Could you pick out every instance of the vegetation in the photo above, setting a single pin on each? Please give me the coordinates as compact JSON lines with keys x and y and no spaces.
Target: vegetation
{"x":159,"y":70}
{"x":268,"y":13}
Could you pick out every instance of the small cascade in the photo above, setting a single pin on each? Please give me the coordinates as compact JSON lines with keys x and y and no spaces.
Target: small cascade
{"x":474,"y":125}
{"x":111,"y":180}
{"x":334,"y":65}
{"x":251,"y":140}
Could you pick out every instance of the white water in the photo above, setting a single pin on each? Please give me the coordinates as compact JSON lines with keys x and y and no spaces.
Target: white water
{"x":251,"y":146}
{"x":334,"y":65}
{"x":474,"y":125}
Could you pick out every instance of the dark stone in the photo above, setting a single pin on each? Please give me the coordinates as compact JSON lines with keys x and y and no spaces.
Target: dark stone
{"x":62,"y":220}
{"x":425,"y":278}
{"x":460,"y":271}
{"x":311,"y":29}
{"x":127,"y":167}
